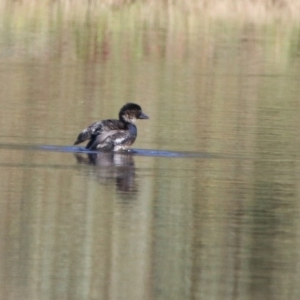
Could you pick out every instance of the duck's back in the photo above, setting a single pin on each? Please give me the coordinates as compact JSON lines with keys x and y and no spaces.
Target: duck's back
{"x":99,"y":128}
{"x":113,"y":140}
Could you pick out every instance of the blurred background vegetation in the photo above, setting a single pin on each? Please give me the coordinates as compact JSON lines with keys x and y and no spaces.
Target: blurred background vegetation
{"x":74,"y":54}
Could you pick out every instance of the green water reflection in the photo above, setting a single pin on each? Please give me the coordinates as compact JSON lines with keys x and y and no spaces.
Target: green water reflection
{"x":220,"y":226}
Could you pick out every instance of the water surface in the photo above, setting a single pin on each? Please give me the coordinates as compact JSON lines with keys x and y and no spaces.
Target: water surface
{"x":205,"y":206}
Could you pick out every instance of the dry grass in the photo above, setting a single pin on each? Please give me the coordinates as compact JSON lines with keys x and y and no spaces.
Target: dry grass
{"x":255,"y":11}
{"x":79,"y":28}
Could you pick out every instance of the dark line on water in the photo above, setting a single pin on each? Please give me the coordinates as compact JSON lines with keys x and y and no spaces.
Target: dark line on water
{"x":139,"y":152}
{"x":135,"y":152}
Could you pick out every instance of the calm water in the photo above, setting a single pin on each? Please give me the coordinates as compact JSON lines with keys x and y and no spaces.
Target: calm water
{"x":206,"y":206}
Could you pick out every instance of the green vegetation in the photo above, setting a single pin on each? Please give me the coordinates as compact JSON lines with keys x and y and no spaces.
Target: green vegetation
{"x":86,"y":52}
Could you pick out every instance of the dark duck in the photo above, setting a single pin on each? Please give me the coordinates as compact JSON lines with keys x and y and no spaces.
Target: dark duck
{"x":113,"y":135}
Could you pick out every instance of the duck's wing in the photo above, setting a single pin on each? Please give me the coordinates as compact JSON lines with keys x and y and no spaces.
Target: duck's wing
{"x":97,"y":129}
{"x":111,"y":140}
{"x":86,"y":133}
{"x":104,"y":140}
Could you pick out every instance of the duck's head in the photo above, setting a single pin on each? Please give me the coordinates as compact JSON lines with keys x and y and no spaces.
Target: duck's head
{"x":130,"y":112}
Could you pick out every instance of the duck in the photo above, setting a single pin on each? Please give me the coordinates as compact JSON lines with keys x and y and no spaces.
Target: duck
{"x":113,"y":134}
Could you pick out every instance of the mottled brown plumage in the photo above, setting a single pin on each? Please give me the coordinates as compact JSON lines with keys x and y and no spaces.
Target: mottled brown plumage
{"x":111,"y":134}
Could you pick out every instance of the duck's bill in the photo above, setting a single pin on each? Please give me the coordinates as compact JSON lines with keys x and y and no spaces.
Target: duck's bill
{"x":143,"y":116}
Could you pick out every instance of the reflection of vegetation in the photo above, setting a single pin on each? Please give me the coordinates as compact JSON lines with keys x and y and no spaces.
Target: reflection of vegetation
{"x":97,"y":56}
{"x":221,"y":85}
{"x":88,"y":30}
{"x":249,"y":10}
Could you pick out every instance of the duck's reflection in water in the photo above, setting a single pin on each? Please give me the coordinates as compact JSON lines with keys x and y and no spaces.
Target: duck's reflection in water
{"x":111,"y":166}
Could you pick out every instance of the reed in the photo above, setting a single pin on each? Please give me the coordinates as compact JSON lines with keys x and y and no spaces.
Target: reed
{"x":256,"y":11}
{"x":92,"y":30}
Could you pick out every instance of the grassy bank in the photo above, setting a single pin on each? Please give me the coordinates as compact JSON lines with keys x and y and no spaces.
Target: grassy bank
{"x":100,"y":30}
{"x":256,"y":11}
